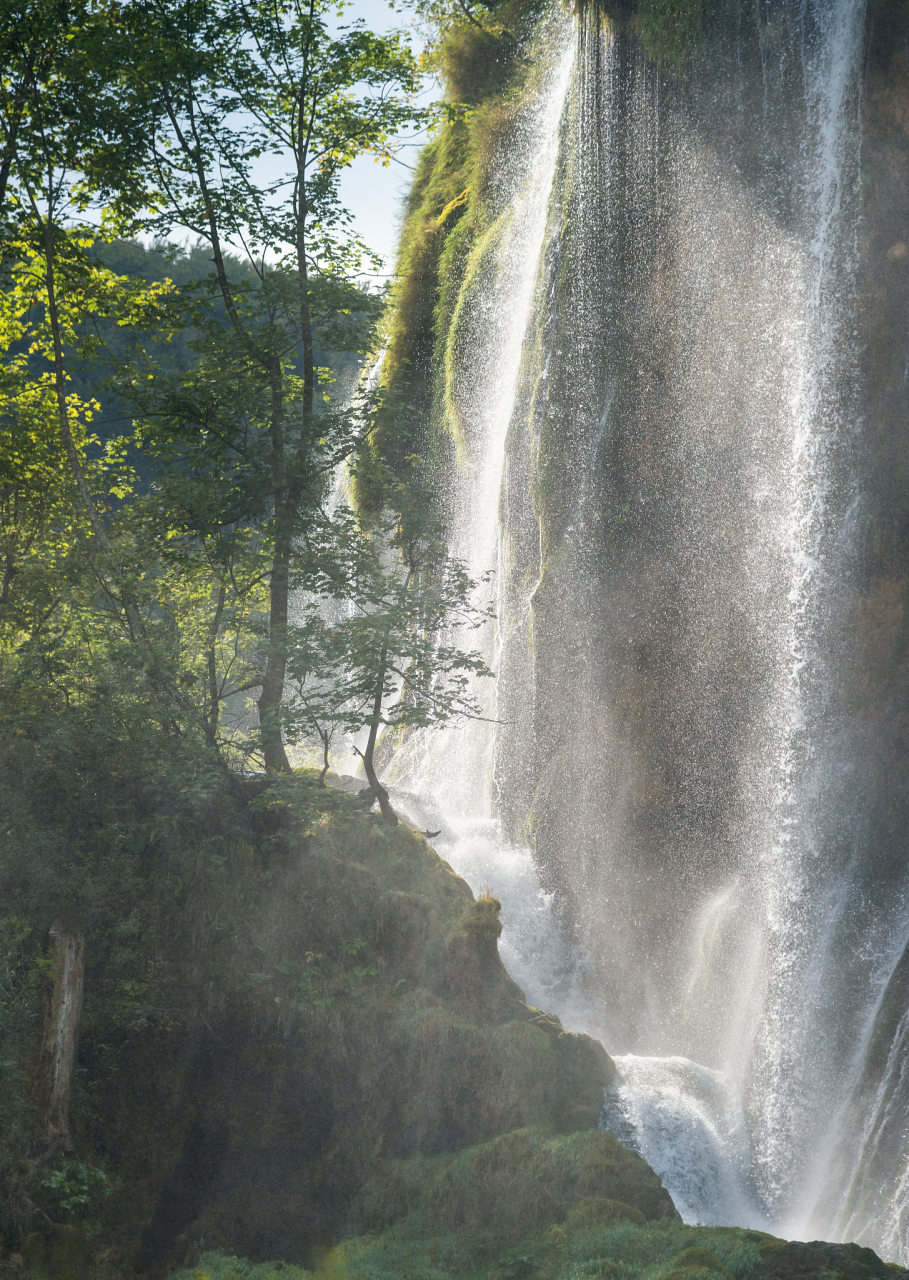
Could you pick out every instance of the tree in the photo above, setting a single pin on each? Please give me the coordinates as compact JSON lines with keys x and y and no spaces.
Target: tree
{"x":228,"y":85}
{"x":391,"y":660}
{"x":197,"y":573}
{"x":58,"y":116}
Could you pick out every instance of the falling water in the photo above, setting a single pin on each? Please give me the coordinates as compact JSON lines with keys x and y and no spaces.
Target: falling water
{"x":652,"y":379}
{"x":483,"y":358}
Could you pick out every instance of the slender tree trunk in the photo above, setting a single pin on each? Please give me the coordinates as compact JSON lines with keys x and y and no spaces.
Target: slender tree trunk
{"x":306,"y":335}
{"x":61,"y":1030}
{"x":14,"y":121}
{"x":214,"y":695}
{"x":367,"y":756}
{"x":269,"y":702}
{"x":9,"y":570}
{"x":306,"y":119}
{"x":272,"y":694}
{"x":325,"y":735}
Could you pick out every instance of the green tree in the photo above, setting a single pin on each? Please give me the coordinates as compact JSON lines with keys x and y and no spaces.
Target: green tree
{"x":198,"y":573}
{"x":228,"y":85}
{"x":393,"y":658}
{"x":63,"y":142}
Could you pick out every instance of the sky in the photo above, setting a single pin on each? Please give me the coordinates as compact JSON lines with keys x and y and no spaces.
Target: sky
{"x":374,"y":194}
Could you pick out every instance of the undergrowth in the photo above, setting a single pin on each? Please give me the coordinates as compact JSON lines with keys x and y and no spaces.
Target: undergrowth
{"x":617,"y":1250}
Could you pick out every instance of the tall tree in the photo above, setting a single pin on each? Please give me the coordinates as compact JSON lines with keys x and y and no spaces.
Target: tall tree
{"x":64,"y":140}
{"x":231,"y":86}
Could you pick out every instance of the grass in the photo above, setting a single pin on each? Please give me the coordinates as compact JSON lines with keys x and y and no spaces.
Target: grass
{"x":615,"y":1249}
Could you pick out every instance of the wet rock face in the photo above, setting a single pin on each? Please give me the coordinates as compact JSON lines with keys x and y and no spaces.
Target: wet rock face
{"x":648,"y":455}
{"x":875,"y":635}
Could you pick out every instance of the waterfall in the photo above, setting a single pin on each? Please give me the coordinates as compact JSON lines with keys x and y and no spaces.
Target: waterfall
{"x":482,"y":363}
{"x":654,"y":379}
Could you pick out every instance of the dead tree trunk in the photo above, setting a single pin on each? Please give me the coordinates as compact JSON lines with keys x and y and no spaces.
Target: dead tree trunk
{"x":61,"y":1030}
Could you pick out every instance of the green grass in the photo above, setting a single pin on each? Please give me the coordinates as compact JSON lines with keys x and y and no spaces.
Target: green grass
{"x":220,"y":1266}
{"x":614,"y":1250}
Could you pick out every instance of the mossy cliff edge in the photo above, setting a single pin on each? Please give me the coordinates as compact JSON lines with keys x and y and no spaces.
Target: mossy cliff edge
{"x":486,"y":62}
{"x":299,"y":1042}
{"x":330,"y":1023}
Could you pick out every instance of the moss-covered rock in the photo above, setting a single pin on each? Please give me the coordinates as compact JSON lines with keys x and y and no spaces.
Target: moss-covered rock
{"x":621,"y":1246}
{"x":819,"y":1258}
{"x":345,"y":1014}
{"x":515,"y":1183}
{"x":600,"y":1238}
{"x":597,"y":1211}
{"x":696,"y":1263}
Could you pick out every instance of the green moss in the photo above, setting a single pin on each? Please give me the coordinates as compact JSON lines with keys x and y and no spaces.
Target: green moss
{"x":482,"y":68}
{"x":670,"y":30}
{"x":518,"y":1182}
{"x":219,"y":1266}
{"x":695,"y":1263}
{"x":480,"y":265}
{"x":617,"y":1246}
{"x":331,"y":984}
{"x":620,"y":1249}
{"x":598,"y":1211}
{"x":450,"y":230}
{"x":482,"y":917}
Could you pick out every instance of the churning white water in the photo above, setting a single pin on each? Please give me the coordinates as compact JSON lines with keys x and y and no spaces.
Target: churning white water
{"x":687,"y":1122}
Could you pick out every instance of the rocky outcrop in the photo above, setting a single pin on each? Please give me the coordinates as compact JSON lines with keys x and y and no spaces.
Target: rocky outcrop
{"x":526,"y":1179}
{"x":798,"y":1261}
{"x":361,"y":1017}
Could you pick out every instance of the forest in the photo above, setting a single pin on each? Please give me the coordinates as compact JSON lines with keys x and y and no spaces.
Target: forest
{"x":210,"y":570}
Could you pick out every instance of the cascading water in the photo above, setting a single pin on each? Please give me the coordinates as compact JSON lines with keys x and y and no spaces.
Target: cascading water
{"x":654,"y":380}
{"x":484,"y":359}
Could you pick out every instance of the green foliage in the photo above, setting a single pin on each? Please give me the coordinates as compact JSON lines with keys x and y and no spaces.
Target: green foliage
{"x":479,"y":53}
{"x":216,"y":1266}
{"x":670,"y":30}
{"x":74,"y":1188}
{"x":22,"y":968}
{"x":173,"y":585}
{"x":522,"y":1180}
{"x":322,"y":980}
{"x":613,"y":1249}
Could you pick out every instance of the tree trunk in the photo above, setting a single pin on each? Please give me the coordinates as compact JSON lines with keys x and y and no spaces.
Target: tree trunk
{"x":61,"y":1030}
{"x":325,"y":735}
{"x":210,"y":721}
{"x":269,"y":702}
{"x":270,"y":699}
{"x":367,"y":756}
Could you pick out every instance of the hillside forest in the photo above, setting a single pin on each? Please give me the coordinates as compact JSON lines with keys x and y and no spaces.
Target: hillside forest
{"x":210,"y":574}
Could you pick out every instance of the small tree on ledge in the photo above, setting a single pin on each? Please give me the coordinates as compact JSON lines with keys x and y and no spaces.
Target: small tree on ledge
{"x":392,"y":658}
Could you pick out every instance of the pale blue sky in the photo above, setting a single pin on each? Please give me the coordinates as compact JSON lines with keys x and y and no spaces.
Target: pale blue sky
{"x":372,"y":193}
